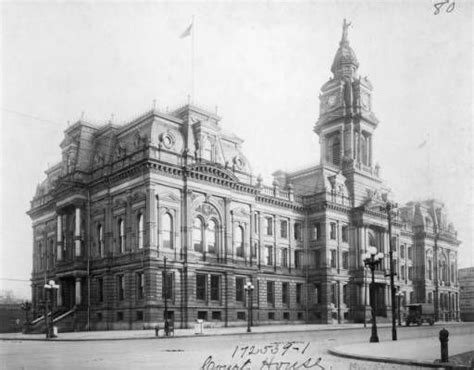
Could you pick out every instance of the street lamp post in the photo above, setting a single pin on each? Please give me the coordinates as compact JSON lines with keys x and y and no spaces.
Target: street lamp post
{"x":399,"y":298}
{"x":49,"y":288}
{"x":249,"y":289}
{"x":372,"y":259}
{"x":388,"y":207}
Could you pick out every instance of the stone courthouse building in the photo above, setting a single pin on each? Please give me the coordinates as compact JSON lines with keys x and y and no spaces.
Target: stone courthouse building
{"x":176,"y":188}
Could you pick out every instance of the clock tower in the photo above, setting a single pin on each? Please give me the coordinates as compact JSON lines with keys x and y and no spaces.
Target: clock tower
{"x":346,"y":122}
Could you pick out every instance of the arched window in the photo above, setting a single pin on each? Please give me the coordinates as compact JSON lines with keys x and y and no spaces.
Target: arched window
{"x":239,"y":241}
{"x":211,"y":236}
{"x":121,"y":230}
{"x":100,"y":240}
{"x":372,"y":242}
{"x":207,"y":150}
{"x":167,"y":231}
{"x":430,"y":268}
{"x":336,"y":150}
{"x":197,"y":234}
{"x":140,"y":231}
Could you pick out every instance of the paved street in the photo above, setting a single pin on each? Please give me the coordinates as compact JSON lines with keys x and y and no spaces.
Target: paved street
{"x":257,"y":351}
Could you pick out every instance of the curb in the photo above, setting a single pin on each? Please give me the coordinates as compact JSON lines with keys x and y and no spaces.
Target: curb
{"x":391,"y":360}
{"x":179,"y":336}
{"x":187,"y":335}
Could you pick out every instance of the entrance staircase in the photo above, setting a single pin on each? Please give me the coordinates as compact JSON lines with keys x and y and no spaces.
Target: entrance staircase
{"x":64,"y":320}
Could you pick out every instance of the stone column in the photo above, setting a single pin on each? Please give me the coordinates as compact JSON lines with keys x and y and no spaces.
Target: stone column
{"x":77,"y":233}
{"x":150,"y":219}
{"x":59,"y":244}
{"x":78,"y":291}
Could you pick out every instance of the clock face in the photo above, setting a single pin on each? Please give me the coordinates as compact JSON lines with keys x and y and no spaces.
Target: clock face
{"x":332,"y":100}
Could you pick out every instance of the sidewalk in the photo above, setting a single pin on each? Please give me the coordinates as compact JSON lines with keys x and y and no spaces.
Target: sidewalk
{"x":180,"y":333}
{"x":414,"y":352}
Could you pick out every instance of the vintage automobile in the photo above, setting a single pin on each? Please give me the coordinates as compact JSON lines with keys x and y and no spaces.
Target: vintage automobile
{"x":419,"y":313}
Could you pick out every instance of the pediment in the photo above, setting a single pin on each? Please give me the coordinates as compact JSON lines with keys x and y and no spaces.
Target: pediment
{"x":213,"y":170}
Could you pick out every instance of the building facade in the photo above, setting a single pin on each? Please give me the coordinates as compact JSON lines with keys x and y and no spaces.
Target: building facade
{"x":164,"y":214}
{"x":466,"y":285}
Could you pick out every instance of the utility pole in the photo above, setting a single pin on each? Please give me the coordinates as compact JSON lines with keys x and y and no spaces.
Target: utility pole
{"x":388,"y":208}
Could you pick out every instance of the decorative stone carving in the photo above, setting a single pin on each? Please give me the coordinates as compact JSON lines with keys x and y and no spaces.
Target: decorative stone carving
{"x":167,"y":139}
{"x":120,"y":150}
{"x":140,"y":140}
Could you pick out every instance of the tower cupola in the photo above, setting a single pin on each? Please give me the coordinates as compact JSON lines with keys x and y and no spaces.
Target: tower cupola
{"x":345,"y":62}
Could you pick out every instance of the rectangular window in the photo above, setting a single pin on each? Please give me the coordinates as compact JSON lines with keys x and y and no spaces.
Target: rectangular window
{"x":140,"y":285}
{"x":402,"y":272}
{"x":410,"y":273}
{"x":100,"y":289}
{"x":345,"y":298}
{"x":215,"y":287}
{"x":299,"y":289}
{"x":333,"y":231}
{"x":345,"y":260}
{"x":316,"y":294}
{"x":202,"y":315}
{"x":139,"y":315}
{"x":402,"y":251}
{"x":430,"y":297}
{"x":269,"y":255}
{"x":285,"y":292}
{"x":201,"y":287}
{"x":120,"y":316}
{"x":345,"y":234}
{"x":283,"y":229}
{"x":255,"y":218}
{"x":216,"y":315}
{"x":120,"y":287}
{"x":316,"y":234}
{"x":333,"y":293}
{"x":271,"y":316}
{"x":410,"y":253}
{"x":333,"y":258}
{"x":300,"y":315}
{"x":270,"y":292}
{"x":167,"y":287}
{"x":241,"y":315}
{"x":269,"y":225}
{"x":317,"y":258}
{"x":239,"y":289}
{"x":286,"y":315}
{"x":298,"y":259}
{"x":284,"y":257}
{"x":297,"y":231}
{"x":254,"y":250}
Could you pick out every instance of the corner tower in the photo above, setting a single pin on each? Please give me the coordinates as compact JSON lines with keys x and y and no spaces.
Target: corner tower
{"x":346,"y":123}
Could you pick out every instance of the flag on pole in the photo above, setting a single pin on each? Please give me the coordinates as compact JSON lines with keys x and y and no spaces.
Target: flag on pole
{"x":187,"y":32}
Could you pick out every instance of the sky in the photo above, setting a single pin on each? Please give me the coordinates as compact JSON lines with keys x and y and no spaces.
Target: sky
{"x":261,"y":65}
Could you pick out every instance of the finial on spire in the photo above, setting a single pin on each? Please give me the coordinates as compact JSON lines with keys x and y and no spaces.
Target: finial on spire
{"x":82,"y":115}
{"x":154,"y":104}
{"x":345,"y":27}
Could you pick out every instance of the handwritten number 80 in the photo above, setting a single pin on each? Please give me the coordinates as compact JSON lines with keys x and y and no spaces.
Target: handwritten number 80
{"x":449,"y":8}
